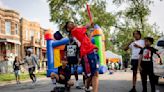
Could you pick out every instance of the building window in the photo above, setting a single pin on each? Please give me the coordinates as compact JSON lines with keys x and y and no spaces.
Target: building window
{"x":17,"y":49}
{"x":38,"y":35}
{"x":16,"y":29}
{"x":26,"y":34}
{"x":31,"y":34}
{"x":38,"y":51}
{"x":42,"y":39}
{"x":8,"y":27}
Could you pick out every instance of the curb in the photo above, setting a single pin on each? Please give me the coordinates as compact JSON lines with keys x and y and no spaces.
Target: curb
{"x":24,"y":81}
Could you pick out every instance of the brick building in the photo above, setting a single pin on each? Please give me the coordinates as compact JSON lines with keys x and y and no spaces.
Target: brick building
{"x":32,"y":37}
{"x":9,"y":33}
{"x":18,"y":34}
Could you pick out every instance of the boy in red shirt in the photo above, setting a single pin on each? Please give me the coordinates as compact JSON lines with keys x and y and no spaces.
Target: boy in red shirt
{"x":88,"y":52}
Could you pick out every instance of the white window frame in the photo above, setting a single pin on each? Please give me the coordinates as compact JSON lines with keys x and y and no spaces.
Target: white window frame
{"x":6,"y":28}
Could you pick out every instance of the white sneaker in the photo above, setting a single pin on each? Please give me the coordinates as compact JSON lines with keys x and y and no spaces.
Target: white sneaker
{"x":87,"y":90}
{"x":53,"y":81}
{"x":77,"y":85}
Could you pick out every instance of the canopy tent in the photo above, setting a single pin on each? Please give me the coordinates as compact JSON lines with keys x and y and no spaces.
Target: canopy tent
{"x":112,"y":57}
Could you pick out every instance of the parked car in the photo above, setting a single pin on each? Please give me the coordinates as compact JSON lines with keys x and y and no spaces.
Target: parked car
{"x":159,"y":69}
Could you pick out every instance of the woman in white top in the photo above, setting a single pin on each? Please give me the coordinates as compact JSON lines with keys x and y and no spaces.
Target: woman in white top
{"x":135,"y":47}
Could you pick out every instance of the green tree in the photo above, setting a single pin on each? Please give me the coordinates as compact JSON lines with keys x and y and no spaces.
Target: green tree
{"x":133,"y":17}
{"x":65,"y":10}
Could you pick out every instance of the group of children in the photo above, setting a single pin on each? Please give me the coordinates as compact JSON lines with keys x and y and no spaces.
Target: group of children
{"x":142,"y":59}
{"x":80,"y":46}
{"x":79,"y":50}
{"x":88,"y":54}
{"x":31,"y":62}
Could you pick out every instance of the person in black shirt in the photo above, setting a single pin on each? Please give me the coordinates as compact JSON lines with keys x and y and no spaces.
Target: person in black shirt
{"x":63,"y":76}
{"x":146,"y":64}
{"x":72,"y":55}
{"x":16,"y":67}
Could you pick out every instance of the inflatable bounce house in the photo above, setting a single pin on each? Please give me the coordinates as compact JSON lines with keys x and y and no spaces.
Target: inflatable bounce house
{"x":55,"y":50}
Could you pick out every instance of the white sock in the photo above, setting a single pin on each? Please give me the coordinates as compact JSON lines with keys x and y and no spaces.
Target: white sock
{"x":77,"y":83}
{"x":54,"y":82}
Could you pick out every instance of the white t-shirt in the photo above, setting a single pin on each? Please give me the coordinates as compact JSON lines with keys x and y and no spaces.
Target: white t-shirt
{"x":30,"y":60}
{"x":135,"y":50}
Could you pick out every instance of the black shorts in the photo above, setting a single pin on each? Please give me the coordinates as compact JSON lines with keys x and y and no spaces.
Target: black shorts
{"x":93,"y":59}
{"x":72,"y":61}
{"x":62,"y":81}
{"x":134,"y":63}
{"x":31,"y":70}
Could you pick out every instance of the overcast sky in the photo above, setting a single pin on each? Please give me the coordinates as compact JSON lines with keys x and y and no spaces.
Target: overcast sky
{"x":38,"y":10}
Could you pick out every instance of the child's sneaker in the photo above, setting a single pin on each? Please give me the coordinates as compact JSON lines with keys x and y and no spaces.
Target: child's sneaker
{"x":77,"y":85}
{"x":133,"y":90}
{"x":87,"y":90}
{"x":54,"y":90}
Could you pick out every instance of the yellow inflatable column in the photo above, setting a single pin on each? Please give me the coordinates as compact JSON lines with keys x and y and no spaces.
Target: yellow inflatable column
{"x":57,"y":60}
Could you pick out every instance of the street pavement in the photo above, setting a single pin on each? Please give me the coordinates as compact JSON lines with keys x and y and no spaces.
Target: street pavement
{"x":118,"y":82}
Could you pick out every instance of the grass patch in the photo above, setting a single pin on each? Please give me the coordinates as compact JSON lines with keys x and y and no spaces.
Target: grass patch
{"x":23,"y":76}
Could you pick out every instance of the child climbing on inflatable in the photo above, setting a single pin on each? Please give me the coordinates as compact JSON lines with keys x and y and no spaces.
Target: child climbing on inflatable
{"x":62,"y":77}
{"x":88,"y":52}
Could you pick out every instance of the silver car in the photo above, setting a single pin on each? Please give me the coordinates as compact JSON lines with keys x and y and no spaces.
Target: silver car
{"x":159,"y":69}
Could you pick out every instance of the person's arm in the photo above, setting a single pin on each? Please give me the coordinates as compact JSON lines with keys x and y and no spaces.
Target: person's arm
{"x":89,"y":25}
{"x":128,"y":46}
{"x":14,"y":65}
{"x":65,"y":51}
{"x":68,"y":74}
{"x":78,"y":55}
{"x":140,"y":59}
{"x":35,"y":60}
{"x":155,"y":51}
{"x":138,"y":46}
{"x":139,"y":62}
{"x":21,"y":63}
{"x":160,"y":62}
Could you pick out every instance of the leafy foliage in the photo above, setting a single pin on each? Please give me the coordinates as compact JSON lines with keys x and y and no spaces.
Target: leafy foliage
{"x":75,"y":10}
{"x":134,"y":17}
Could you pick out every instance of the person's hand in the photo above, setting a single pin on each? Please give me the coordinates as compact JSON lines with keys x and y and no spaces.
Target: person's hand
{"x":136,"y":45}
{"x":140,"y":68}
{"x":62,"y":77}
{"x":65,"y":56}
{"x":130,"y":42}
{"x":92,"y":25}
{"x":38,"y":67}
